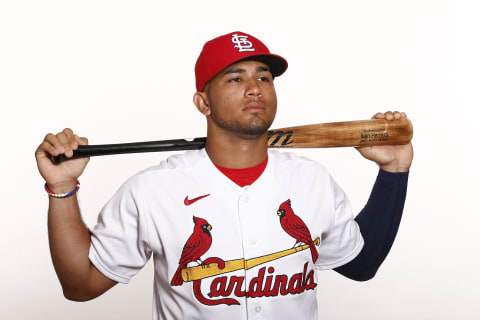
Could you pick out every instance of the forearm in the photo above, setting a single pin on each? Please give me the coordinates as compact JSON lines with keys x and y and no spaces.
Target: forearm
{"x":69,"y":241}
{"x":379,"y":222}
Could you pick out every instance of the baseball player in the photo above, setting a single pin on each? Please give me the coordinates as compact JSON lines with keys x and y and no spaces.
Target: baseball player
{"x":236,"y":231}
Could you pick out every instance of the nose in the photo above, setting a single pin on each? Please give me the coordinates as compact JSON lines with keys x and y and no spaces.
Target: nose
{"x":253,"y":88}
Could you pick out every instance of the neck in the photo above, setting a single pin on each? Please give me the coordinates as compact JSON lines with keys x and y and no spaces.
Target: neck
{"x":231,"y":150}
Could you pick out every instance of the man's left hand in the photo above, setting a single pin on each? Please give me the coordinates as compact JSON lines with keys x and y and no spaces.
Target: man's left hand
{"x":391,"y":158}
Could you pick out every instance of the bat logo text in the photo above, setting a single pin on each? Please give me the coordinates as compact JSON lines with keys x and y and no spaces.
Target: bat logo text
{"x":275,"y":137}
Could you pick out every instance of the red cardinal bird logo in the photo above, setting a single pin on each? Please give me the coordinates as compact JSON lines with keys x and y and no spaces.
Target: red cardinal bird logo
{"x":196,"y":246}
{"x":295,"y":227}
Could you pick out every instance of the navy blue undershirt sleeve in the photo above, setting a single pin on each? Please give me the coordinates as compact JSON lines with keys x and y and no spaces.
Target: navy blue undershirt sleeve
{"x":379,"y":221}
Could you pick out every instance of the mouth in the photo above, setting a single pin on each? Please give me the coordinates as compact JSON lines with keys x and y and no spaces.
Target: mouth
{"x":254,"y":107}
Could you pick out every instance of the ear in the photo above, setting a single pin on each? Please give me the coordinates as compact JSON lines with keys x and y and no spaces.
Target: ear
{"x":200,"y":99}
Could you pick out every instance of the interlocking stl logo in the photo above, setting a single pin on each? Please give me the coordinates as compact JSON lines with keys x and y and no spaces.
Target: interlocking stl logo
{"x":242,"y":43}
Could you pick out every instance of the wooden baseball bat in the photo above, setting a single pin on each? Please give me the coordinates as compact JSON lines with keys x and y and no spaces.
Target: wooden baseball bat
{"x":212,"y":269}
{"x":321,"y":135}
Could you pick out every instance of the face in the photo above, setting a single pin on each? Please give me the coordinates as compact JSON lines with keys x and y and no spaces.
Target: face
{"x":242,"y":99}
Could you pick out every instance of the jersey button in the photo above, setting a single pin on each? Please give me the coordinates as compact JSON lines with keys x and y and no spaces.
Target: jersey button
{"x":258,"y":309}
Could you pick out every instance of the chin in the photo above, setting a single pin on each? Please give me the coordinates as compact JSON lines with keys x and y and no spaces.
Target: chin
{"x":255,"y":128}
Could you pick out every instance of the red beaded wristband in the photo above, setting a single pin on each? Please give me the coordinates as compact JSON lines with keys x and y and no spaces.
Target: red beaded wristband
{"x":64,"y":195}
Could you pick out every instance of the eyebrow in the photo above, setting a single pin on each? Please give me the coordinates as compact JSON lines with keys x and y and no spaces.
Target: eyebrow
{"x":240,"y":70}
{"x":237,"y":70}
{"x":262,"y":69}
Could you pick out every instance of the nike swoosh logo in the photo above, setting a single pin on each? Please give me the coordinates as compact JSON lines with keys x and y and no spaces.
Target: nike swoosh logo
{"x":188,"y":202}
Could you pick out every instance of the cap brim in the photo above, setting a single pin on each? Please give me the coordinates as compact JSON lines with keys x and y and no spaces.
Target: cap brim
{"x":277,"y":64}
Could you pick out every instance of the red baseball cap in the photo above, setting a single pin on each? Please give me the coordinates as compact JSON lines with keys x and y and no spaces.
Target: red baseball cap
{"x":225,"y":50}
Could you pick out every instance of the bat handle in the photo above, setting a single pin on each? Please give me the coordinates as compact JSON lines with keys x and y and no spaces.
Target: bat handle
{"x":79,"y":153}
{"x":60,"y":158}
{"x":84,"y":151}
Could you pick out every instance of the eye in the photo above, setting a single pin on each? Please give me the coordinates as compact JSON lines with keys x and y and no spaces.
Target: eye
{"x":236,"y":79}
{"x":264,"y":78}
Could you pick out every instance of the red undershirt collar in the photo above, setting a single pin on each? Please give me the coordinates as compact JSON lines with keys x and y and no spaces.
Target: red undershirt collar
{"x":246,"y":176}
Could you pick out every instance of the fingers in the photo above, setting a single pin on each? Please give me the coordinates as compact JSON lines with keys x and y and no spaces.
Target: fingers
{"x":63,"y":142}
{"x":379,"y":115}
{"x":45,"y":149}
{"x":389,"y":115}
{"x":65,"y":138}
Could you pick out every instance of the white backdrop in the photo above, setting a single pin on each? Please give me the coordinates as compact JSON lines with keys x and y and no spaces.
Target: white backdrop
{"x":122,"y":71}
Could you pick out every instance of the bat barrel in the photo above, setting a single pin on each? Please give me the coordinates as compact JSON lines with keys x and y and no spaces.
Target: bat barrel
{"x":344,"y":134}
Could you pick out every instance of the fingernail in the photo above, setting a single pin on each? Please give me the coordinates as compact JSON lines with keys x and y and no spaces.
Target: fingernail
{"x":61,"y":149}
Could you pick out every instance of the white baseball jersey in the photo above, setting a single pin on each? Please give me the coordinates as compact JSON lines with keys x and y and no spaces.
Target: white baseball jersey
{"x":222,"y":251}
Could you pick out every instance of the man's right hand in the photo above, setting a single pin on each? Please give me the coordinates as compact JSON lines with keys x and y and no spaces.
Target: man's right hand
{"x":62,"y":177}
{"x":69,"y":237}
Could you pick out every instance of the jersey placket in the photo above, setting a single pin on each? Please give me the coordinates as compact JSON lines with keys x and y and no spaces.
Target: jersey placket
{"x":251,"y":213}
{"x":255,"y":221}
{"x":247,"y":212}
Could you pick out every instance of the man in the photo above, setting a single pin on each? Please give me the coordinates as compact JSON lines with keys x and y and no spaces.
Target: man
{"x":262,"y":220}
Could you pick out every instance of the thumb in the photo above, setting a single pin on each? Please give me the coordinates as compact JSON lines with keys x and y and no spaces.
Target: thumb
{"x":81,"y":140}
